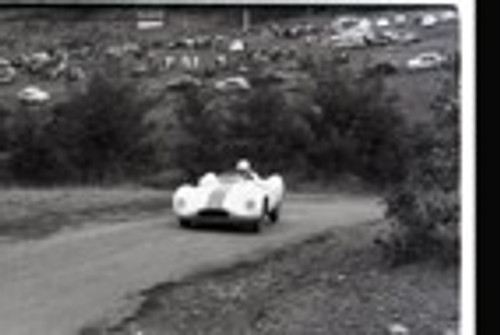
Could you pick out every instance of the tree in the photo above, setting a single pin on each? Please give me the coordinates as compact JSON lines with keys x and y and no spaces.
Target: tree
{"x":339,"y":124}
{"x":5,"y":115}
{"x":357,"y":128}
{"x":95,"y":136}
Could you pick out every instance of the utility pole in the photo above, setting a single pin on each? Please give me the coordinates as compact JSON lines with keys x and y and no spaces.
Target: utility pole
{"x":309,"y":11}
{"x":246,"y":19}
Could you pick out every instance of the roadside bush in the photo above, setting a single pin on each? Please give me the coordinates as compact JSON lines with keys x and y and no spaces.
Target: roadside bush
{"x":324,"y":124}
{"x":33,"y":159}
{"x":424,"y":209}
{"x":357,"y":129}
{"x":270,"y":127}
{"x":332,"y":125}
{"x":194,"y":134}
{"x":4,"y":137}
{"x":263,"y":125}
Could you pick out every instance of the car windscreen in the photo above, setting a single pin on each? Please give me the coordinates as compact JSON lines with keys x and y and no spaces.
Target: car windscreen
{"x":231,"y":177}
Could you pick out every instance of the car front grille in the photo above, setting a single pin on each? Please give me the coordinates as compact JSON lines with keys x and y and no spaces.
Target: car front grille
{"x":213,"y":213}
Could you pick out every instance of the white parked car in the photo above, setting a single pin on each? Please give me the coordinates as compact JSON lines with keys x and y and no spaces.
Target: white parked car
{"x":427,"y":60}
{"x":400,"y":19}
{"x":382,"y":22}
{"x":233,"y":83}
{"x":236,"y":197}
{"x":448,"y":15}
{"x":183,"y":81}
{"x":7,"y":71}
{"x":344,"y":23}
{"x":237,"y":45}
{"x":390,"y":35}
{"x":409,"y":37}
{"x":33,"y":95}
{"x":350,"y":39}
{"x":428,"y":20}
{"x":149,"y":24}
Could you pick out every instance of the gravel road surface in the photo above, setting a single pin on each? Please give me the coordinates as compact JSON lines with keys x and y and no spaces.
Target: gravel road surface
{"x":57,"y":285}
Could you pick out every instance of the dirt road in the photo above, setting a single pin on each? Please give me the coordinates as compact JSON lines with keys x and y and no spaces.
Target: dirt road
{"x":55,"y":286}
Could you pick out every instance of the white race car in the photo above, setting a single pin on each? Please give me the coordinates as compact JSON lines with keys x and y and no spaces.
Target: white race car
{"x":234,"y":197}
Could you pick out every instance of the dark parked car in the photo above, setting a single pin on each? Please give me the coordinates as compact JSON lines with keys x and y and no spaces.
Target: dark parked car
{"x":382,"y":68}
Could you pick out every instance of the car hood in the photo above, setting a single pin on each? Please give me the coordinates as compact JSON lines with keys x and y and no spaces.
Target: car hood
{"x":218,"y":195}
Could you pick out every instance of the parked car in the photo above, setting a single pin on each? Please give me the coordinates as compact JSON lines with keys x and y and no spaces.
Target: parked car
{"x":7,"y":71}
{"x":234,"y":197}
{"x":344,"y":23}
{"x":409,"y":37}
{"x":400,"y":19}
{"x":382,"y":22}
{"x":428,"y":20}
{"x":237,"y":45}
{"x":391,"y":36}
{"x":232,"y":83}
{"x":183,"y":81}
{"x":448,"y":15}
{"x":427,"y":60}
{"x":383,"y":68}
{"x":33,"y":95}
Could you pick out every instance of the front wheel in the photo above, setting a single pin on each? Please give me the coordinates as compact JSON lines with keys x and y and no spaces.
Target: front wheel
{"x":274,"y":215}
{"x":256,"y":226}
{"x":185,"y":223}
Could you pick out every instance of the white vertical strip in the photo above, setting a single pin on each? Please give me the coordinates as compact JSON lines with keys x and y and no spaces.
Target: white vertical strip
{"x":468,"y":281}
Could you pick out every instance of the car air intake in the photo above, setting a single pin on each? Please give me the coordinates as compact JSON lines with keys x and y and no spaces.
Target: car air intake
{"x":214,"y":213}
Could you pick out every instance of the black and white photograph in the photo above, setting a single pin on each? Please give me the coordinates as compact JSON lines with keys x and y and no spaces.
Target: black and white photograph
{"x":224,"y":168}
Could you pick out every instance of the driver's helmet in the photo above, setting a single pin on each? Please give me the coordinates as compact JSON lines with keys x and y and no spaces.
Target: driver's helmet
{"x":243,"y":165}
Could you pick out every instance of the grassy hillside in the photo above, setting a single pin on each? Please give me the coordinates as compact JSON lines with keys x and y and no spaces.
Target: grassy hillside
{"x":26,"y":30}
{"x":281,"y":51}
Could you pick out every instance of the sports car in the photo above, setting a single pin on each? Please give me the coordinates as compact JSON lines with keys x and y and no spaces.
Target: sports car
{"x":236,"y":197}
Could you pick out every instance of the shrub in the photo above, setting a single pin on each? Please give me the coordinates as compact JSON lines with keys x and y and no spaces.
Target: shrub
{"x":358,"y":129}
{"x":424,"y":209}
{"x":33,"y":158}
{"x":262,"y":125}
{"x":269,"y":126}
{"x":193,"y":146}
{"x":5,"y":115}
{"x":328,"y":125}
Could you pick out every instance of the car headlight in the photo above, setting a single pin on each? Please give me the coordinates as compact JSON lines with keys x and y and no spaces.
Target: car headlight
{"x":180,"y":203}
{"x":250,"y":205}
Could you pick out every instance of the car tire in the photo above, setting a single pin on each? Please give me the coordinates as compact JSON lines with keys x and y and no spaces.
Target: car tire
{"x":184,"y":223}
{"x":256,"y":227}
{"x":274,"y":215}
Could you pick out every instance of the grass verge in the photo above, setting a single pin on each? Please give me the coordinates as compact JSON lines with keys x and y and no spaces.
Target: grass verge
{"x":37,"y":213}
